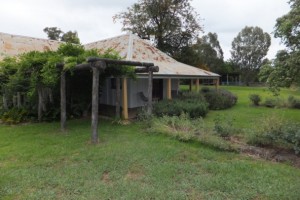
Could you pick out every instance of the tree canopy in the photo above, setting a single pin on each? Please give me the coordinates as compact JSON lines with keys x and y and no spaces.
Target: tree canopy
{"x":287,"y":26}
{"x":206,"y":53}
{"x":55,"y":33}
{"x":174,"y":23}
{"x":249,"y":49}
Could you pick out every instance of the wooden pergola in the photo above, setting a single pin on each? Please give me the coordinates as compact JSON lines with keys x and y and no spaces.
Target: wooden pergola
{"x":98,"y":65}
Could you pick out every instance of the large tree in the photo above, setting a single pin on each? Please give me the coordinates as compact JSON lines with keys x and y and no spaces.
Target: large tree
{"x":287,"y":65}
{"x":249,"y":49}
{"x":174,"y":23}
{"x":206,"y":53}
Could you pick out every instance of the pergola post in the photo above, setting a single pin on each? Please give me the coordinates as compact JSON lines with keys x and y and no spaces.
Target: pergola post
{"x":95,"y":105}
{"x":125,"y":98}
{"x":63,"y":110}
{"x":169,"y":89}
{"x":150,"y":79}
{"x":197,"y":85}
{"x":118,"y":97}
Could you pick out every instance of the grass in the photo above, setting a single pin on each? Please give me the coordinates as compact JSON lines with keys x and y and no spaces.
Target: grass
{"x":39,"y":162}
{"x":247,"y":116}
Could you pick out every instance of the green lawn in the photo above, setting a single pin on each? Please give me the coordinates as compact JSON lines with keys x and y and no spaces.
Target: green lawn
{"x":38,"y":162}
{"x":247,"y":116}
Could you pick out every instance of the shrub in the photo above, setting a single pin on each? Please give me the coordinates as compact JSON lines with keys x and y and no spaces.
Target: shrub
{"x":14,"y":116}
{"x":223,"y":126}
{"x":190,"y":103}
{"x":255,"y":99}
{"x":292,"y":102}
{"x":274,"y":131}
{"x":270,"y":103}
{"x":183,"y":128}
{"x":220,"y":99}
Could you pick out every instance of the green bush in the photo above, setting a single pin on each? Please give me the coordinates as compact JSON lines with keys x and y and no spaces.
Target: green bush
{"x":223,"y":126}
{"x":274,"y":131}
{"x":293,"y":102}
{"x":191,"y":103}
{"x":219,"y":99}
{"x":185,"y":129}
{"x":270,"y":103}
{"x":14,"y":116}
{"x":255,"y":99}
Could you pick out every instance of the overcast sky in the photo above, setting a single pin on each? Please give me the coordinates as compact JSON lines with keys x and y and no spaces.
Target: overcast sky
{"x":92,"y":19}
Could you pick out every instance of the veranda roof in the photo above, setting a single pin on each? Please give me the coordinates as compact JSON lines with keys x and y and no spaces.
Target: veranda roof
{"x":133,"y":48}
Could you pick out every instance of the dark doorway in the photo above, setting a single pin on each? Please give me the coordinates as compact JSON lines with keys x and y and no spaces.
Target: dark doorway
{"x":158,"y":89}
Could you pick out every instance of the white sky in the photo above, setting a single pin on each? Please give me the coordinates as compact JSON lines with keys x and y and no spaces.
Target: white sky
{"x":92,"y":19}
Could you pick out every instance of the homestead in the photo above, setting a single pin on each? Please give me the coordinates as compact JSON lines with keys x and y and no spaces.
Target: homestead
{"x":131,"y":48}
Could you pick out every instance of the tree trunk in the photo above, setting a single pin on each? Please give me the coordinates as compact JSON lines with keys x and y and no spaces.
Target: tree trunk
{"x":118,"y":98}
{"x":63,"y":110}
{"x":4,"y":99}
{"x":19,"y":103}
{"x":95,"y":104}
{"x":14,"y":101}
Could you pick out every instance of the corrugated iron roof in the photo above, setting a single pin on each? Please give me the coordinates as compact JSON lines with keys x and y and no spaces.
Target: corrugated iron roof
{"x":12,"y":45}
{"x":133,"y":48}
{"x":129,"y":46}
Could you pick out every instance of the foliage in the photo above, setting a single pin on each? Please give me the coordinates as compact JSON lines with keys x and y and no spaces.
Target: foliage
{"x":287,"y":26}
{"x":36,"y":75}
{"x":14,"y":116}
{"x":55,"y":33}
{"x":276,"y":132}
{"x":185,"y":129}
{"x":270,"y":102}
{"x":255,"y":99}
{"x":286,"y":70}
{"x":174,"y":23}
{"x":293,"y":102}
{"x":206,"y":53}
{"x":223,"y":126}
{"x":248,"y":51}
{"x":219,"y":99}
{"x":190,"y":103}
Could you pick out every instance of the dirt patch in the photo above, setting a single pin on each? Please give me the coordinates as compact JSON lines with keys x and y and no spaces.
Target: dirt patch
{"x":136,"y":172}
{"x":105,"y":177}
{"x":271,"y":154}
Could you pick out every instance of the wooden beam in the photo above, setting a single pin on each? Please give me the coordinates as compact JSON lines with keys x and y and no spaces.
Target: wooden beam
{"x":146,"y":69}
{"x":120,"y":62}
{"x":63,"y":110}
{"x":95,"y":105}
{"x":83,"y":66}
{"x":150,"y":79}
{"x":125,"y":98}
{"x":169,"y":89}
